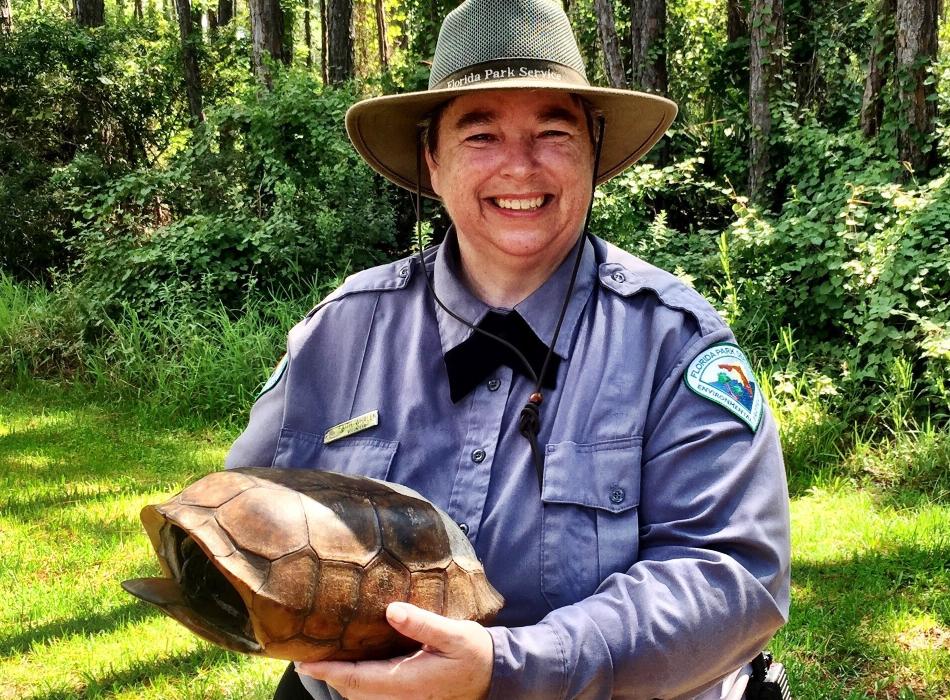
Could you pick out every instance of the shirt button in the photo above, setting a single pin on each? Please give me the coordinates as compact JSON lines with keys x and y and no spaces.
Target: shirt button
{"x":494,"y":384}
{"x":403,"y":271}
{"x":478,"y":456}
{"x":464,"y":528}
{"x":618,"y":277}
{"x":617,"y":495}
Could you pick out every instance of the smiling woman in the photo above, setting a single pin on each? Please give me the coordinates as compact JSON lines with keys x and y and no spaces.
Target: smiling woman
{"x":514,"y":170}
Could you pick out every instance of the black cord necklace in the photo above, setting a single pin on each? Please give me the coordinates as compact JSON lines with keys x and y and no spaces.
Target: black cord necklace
{"x":529,"y":422}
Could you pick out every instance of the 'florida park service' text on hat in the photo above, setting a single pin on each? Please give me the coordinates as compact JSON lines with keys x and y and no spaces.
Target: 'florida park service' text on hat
{"x":503,"y":45}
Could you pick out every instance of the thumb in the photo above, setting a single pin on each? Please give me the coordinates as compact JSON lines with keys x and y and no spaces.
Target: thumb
{"x":439,"y":634}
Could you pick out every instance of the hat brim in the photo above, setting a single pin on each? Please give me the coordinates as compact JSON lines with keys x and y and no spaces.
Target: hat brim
{"x":384,"y":129}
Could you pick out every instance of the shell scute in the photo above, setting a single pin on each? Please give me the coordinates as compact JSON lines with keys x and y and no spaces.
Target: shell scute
{"x":268,"y":522}
{"x":286,"y":596}
{"x":248,"y":572}
{"x":302,"y":649}
{"x":187,"y":516}
{"x":337,"y":595}
{"x":343,"y":527}
{"x":385,"y":581}
{"x":413,"y":532}
{"x":427,"y":590}
{"x":215,"y":489}
{"x":214,"y":539}
{"x":460,"y":601}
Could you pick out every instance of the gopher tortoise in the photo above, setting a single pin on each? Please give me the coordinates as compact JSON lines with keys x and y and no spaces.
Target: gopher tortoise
{"x":301,"y":564}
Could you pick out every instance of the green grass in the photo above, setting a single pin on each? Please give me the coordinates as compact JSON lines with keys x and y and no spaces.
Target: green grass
{"x":871,"y":564}
{"x":73,"y":477}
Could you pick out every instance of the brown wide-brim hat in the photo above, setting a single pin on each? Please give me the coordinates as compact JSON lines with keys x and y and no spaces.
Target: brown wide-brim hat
{"x":503,"y":45}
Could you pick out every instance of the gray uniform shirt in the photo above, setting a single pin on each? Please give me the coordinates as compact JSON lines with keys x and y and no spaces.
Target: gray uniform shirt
{"x":654,"y":559}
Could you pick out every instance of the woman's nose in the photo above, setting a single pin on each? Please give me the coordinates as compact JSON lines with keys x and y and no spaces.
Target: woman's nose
{"x":520,"y":158}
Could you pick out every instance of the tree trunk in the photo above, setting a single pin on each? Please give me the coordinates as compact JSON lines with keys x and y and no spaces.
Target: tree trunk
{"x":267,"y":31}
{"x":138,"y":11}
{"x":916,"y":51}
{"x":89,"y":13}
{"x":607,"y":31}
{"x":324,"y":61}
{"x":307,"y":32}
{"x":880,"y":67}
{"x":381,"y":35}
{"x":189,"y":29}
{"x":648,"y":53}
{"x":6,"y":17}
{"x":766,"y":29}
{"x":340,"y":37}
{"x":225,"y":12}
{"x":736,"y":20}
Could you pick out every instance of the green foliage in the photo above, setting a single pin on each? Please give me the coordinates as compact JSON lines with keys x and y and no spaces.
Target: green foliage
{"x":41,"y":332}
{"x":668,"y":216}
{"x":77,"y":107}
{"x":858,"y":263}
{"x":268,"y":195}
{"x":197,"y":364}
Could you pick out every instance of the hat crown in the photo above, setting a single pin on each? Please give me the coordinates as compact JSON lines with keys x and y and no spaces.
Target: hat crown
{"x":482,"y":31}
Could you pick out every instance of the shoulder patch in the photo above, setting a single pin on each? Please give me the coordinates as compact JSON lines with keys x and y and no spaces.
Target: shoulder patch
{"x":722,"y":374}
{"x":275,"y":376}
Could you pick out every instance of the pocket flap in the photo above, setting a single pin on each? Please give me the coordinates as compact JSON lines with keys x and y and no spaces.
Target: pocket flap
{"x":604,"y":475}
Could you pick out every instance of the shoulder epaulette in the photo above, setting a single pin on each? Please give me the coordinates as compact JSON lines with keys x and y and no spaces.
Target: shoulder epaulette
{"x":382,"y":278}
{"x":627,"y":275}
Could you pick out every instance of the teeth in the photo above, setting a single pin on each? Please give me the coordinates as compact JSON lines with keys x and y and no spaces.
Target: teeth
{"x":532,"y":203}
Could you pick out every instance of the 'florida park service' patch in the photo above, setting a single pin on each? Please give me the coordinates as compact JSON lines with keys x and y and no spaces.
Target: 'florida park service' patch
{"x":722,"y":374}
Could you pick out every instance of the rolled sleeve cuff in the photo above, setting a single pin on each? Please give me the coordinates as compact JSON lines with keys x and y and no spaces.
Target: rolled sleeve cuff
{"x":530,"y":662}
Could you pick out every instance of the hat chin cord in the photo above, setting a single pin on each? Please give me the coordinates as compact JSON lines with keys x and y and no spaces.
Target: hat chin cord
{"x":529,"y":423}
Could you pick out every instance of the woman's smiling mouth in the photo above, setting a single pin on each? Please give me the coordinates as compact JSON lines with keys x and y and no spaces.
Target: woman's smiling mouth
{"x":520,"y":203}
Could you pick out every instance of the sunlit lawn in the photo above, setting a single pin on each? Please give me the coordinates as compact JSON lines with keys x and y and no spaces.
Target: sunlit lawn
{"x":871,"y":615}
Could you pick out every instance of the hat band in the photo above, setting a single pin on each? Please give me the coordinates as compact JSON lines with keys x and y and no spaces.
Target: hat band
{"x":509,"y":69}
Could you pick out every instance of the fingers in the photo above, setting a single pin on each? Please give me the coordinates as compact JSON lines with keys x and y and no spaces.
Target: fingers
{"x":438,"y":634}
{"x":351,"y":679}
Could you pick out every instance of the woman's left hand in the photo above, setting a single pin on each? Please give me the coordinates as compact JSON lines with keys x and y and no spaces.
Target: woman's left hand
{"x":455,"y":662}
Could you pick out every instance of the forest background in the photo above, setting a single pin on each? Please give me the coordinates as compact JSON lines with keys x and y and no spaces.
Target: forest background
{"x":176,"y":190}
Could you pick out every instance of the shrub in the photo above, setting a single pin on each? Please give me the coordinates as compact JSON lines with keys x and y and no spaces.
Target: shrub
{"x":79,"y":107}
{"x":668,"y":216}
{"x":856,"y":261}
{"x":268,"y":195}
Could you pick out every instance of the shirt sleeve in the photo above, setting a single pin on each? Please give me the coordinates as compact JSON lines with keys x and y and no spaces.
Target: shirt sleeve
{"x":711,"y":583}
{"x":257,"y":445}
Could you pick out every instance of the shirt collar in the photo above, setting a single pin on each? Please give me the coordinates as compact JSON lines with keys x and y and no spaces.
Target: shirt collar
{"x":540,"y":310}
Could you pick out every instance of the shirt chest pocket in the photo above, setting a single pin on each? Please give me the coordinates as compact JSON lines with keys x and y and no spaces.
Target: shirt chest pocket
{"x":365,"y":456}
{"x":589,"y":523}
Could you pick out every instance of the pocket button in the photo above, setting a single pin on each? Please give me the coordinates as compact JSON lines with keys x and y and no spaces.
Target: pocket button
{"x":617,"y":495}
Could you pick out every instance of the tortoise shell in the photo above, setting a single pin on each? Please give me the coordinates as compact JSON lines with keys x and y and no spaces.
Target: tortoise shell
{"x":301,"y":564}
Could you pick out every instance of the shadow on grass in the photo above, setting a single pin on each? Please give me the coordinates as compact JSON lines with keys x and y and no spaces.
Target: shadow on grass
{"x":60,"y":446}
{"x":87,"y":624}
{"x":838,"y":636}
{"x":139,"y":674}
